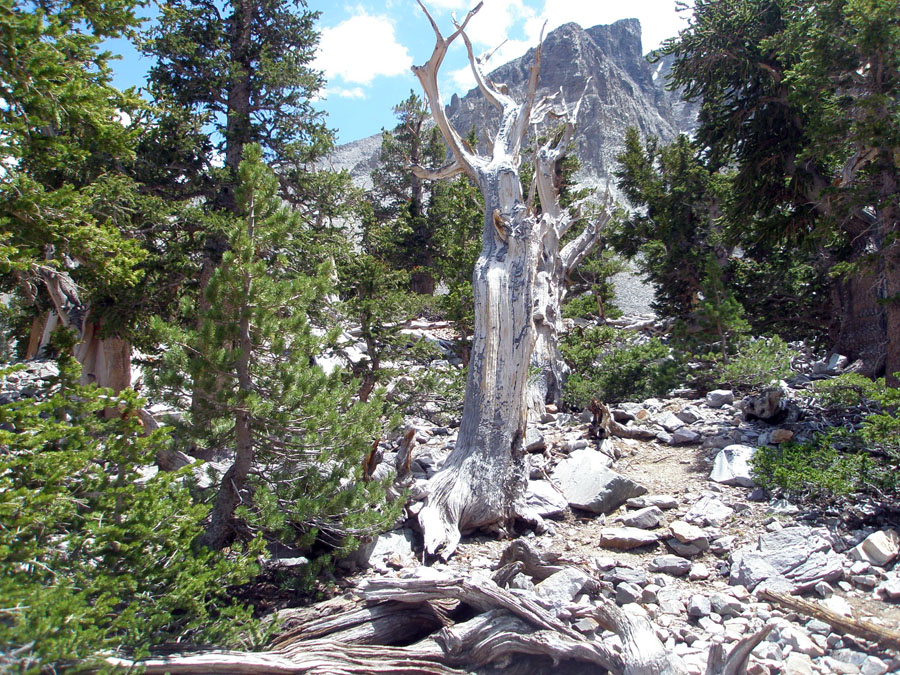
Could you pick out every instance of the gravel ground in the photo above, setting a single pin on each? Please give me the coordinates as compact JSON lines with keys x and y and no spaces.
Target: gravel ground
{"x":633,"y":294}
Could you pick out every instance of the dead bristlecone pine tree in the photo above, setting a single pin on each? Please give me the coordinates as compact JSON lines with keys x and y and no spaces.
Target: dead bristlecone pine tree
{"x":482,"y":482}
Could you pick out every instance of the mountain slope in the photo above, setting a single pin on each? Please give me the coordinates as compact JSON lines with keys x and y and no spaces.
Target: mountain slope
{"x":621,"y":89}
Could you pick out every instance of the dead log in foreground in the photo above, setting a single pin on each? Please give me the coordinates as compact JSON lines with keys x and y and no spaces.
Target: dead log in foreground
{"x":843,"y":624}
{"x":508,"y":627}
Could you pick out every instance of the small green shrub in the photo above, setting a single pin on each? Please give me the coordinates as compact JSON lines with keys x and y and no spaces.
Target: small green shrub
{"x":97,"y":555}
{"x":757,"y":362}
{"x":813,"y":470}
{"x":584,"y":306}
{"x":605,"y":367}
{"x":842,"y":461}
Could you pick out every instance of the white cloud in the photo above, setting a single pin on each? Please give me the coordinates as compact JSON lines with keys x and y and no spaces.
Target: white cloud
{"x":342,"y":92}
{"x":360,"y":49}
{"x":496,"y":20}
{"x":462,"y":79}
{"x":443,"y":5}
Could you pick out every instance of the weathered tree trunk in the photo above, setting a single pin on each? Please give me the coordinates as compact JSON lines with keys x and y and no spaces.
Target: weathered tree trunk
{"x":105,"y":362}
{"x":483,"y":478}
{"x":484,"y":475}
{"x":554,"y":267}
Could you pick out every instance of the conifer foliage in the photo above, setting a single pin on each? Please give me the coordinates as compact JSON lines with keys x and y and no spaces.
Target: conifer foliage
{"x":297,"y":437}
{"x":96,"y":551}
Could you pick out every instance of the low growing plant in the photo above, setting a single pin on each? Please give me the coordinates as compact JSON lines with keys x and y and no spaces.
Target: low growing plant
{"x":864,"y":457}
{"x":605,"y":366}
{"x":97,"y":554}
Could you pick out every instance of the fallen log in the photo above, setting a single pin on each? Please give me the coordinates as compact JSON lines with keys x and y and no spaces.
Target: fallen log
{"x":315,"y":657}
{"x":343,"y":637}
{"x":862,"y":629}
{"x":605,"y":426}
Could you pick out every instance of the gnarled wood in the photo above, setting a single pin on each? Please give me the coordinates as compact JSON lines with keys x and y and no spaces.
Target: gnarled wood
{"x":844,"y":624}
{"x":736,"y":661}
{"x":484,"y":476}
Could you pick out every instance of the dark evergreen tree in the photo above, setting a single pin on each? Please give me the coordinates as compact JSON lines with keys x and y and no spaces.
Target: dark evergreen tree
{"x":675,"y":226}
{"x":243,"y":69}
{"x":798,"y":99}
{"x":403,"y":234}
{"x":298,"y":437}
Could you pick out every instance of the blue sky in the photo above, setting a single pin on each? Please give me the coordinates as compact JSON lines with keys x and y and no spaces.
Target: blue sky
{"x":367,"y":48}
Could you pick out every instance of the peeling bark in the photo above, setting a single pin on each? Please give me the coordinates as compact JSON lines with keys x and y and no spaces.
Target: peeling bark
{"x":482,"y":481}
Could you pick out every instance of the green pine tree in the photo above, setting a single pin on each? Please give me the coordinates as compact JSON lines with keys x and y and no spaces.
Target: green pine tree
{"x":97,"y":551}
{"x":297,"y":436}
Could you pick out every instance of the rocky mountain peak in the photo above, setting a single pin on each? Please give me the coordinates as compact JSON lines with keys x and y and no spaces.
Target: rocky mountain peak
{"x":605,"y":63}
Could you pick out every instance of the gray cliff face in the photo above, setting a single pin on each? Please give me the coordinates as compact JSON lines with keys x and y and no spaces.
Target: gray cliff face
{"x":623,"y":90}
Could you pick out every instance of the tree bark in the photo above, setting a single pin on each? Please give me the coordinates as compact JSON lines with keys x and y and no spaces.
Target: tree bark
{"x":483,"y":479}
{"x":220,"y":530}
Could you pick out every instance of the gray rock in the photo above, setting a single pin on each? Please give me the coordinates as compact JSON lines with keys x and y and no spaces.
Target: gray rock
{"x":797,"y":638}
{"x":627,"y":593}
{"x":698,"y":606}
{"x":689,"y":534}
{"x":750,"y":568}
{"x":663,"y":502}
{"x":685,"y":437}
{"x":629,"y":575}
{"x":889,"y":589}
{"x":669,"y":421}
{"x":719,"y":397}
{"x":689,"y":414}
{"x":545,"y":499}
{"x":645,"y":519}
{"x":725,"y":604}
{"x":790,"y":547}
{"x":873,"y":666}
{"x":723,"y":545}
{"x":626,"y":538}
{"x":709,"y":510}
{"x":560,"y":589}
{"x":589,"y":484}
{"x":670,"y":564}
{"x":732,"y":466}
{"x":534,"y":440}
{"x":522,"y":582}
{"x":684,"y":550}
{"x":821,"y":566}
{"x":670,"y":600}
{"x":385,"y":546}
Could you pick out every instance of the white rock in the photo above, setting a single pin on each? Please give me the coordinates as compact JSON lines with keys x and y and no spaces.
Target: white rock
{"x":879,"y":548}
{"x":719,"y":397}
{"x":798,"y":664}
{"x":732,"y":466}
{"x":837,"y":604}
{"x":625,"y":538}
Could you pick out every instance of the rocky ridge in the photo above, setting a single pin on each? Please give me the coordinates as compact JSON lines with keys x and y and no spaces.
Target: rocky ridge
{"x":605,"y":64}
{"x":673,"y":528}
